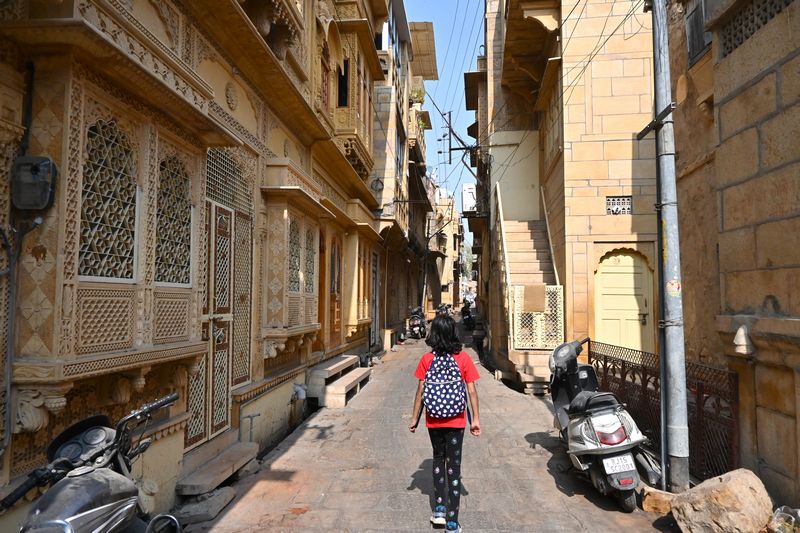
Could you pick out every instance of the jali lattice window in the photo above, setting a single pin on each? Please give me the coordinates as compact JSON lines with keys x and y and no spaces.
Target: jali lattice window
{"x":311,"y":257}
{"x":174,"y":233}
{"x":108,"y":212}
{"x":295,"y":250}
{"x":225,"y":181}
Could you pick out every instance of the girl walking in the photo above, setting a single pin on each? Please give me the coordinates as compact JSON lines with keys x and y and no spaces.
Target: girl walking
{"x":445,"y":374}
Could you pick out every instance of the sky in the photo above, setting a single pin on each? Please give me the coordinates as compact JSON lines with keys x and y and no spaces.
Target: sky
{"x":459,"y":35}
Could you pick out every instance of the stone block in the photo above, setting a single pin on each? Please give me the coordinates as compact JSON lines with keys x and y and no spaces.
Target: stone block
{"x":656,"y":501}
{"x":601,"y":87}
{"x":775,"y":389}
{"x":759,"y":53}
{"x":778,"y":243}
{"x":586,"y":206}
{"x":754,"y":291}
{"x":735,"y":502}
{"x":765,"y":197}
{"x":633,"y":169}
{"x":205,"y":507}
{"x":777,"y":440}
{"x":749,"y":107}
{"x":576,"y":113}
{"x":581,"y":191}
{"x":783,"y":488}
{"x":790,"y":82}
{"x":779,"y":138}
{"x":630,"y":123}
{"x":587,"y":151}
{"x":737,"y":157}
{"x":607,"y":69}
{"x":585,"y":170}
{"x":616,"y":105}
{"x":631,"y":86}
{"x":618,"y":150}
{"x":642,"y":42}
{"x":633,"y":67}
{"x":737,"y":250}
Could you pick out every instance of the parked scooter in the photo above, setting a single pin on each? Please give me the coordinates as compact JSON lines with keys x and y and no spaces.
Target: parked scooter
{"x":466,"y":317}
{"x":443,"y":309}
{"x":91,"y":486}
{"x":416,"y":323}
{"x":600,"y":436}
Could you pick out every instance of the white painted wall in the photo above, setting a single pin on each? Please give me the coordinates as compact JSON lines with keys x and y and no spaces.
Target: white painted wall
{"x":515,"y":166}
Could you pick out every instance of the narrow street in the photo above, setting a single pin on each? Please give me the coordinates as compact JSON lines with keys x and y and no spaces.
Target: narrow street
{"x":360,"y":469}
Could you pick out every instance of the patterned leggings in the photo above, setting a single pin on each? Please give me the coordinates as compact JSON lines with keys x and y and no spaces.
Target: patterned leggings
{"x":446,"y":444}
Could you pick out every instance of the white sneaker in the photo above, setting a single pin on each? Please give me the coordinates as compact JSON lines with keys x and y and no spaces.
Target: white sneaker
{"x":437,"y":518}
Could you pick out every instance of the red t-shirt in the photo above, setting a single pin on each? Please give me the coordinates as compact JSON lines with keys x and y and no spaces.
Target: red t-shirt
{"x":468,"y":372}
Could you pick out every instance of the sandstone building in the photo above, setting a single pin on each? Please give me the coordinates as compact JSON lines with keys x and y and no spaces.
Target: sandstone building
{"x":564,"y":221}
{"x":736,"y":82}
{"x":216,"y":230}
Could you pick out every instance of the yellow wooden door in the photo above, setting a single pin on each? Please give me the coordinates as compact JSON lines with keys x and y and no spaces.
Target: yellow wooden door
{"x":624,"y":307}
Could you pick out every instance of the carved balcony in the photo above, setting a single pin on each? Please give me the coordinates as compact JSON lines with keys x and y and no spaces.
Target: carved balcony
{"x":354,"y":146}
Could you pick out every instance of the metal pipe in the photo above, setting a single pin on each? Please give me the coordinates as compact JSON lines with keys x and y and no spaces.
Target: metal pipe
{"x":672,"y":322}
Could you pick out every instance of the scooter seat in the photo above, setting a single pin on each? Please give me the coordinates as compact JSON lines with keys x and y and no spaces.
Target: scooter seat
{"x":590,"y":401}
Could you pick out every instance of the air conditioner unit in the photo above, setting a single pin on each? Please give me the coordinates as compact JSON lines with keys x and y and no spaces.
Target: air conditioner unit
{"x":468,"y":197}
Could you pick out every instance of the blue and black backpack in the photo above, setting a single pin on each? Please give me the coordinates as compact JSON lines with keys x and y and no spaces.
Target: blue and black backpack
{"x":445,"y":394}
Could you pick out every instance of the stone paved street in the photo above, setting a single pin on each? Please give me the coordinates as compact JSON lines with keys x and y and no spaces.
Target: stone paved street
{"x":359,"y":469}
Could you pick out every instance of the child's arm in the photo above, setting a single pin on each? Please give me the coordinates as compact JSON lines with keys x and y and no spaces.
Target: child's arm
{"x":417,"y":412}
{"x":475,"y":425}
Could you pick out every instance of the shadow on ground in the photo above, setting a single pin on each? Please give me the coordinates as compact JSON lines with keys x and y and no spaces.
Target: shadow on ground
{"x":422,"y":480}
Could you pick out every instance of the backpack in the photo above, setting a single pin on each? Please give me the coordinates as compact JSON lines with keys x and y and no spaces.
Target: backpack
{"x":444,"y":395}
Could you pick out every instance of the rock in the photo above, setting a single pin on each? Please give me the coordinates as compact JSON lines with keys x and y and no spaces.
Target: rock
{"x":656,"y":501}
{"x":736,"y":502}
{"x":205,"y":507}
{"x":249,"y":469}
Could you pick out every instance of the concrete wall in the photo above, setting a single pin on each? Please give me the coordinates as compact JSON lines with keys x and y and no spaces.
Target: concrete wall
{"x":515,"y":168}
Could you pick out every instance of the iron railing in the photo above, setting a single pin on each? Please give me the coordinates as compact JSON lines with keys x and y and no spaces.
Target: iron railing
{"x":713,"y":400}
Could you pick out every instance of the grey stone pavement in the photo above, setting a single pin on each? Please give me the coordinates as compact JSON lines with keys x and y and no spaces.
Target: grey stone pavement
{"x":360,"y":469}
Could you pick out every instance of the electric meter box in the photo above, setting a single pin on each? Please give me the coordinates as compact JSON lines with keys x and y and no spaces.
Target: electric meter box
{"x":33,"y":183}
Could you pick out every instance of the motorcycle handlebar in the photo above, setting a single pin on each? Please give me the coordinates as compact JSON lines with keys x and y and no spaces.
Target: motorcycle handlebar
{"x":145,"y":410}
{"x":32,"y":481}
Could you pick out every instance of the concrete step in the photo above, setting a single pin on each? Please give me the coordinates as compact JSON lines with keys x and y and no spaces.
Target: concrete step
{"x":531,"y":359}
{"x":519,"y":266}
{"x":208,"y":451}
{"x":329,"y":371}
{"x":210,"y":475}
{"x":341,"y":391}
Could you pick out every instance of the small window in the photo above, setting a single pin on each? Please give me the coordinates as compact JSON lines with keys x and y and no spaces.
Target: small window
{"x":344,"y":87}
{"x":698,"y":39}
{"x":618,"y":205}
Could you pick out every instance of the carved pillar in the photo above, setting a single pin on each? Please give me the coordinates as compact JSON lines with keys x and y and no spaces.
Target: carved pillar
{"x":350,"y":282}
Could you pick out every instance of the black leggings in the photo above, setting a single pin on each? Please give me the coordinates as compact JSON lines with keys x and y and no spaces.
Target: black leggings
{"x":446,"y":470}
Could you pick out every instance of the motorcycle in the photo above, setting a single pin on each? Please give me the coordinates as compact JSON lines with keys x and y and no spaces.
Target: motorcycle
{"x":416,"y":323}
{"x":466,"y":317}
{"x":600,"y":435}
{"x":90,"y":483}
{"x":443,"y":309}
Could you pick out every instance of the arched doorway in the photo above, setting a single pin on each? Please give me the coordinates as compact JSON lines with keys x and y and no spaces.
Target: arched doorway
{"x":624,"y":306}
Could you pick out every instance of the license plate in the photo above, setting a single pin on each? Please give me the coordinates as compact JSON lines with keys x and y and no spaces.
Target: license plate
{"x":621,"y":463}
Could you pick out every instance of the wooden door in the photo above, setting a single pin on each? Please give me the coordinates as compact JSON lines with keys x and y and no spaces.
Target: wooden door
{"x":624,"y":302}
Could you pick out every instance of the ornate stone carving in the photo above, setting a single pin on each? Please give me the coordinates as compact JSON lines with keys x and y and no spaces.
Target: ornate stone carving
{"x":231,"y":97}
{"x":171,"y":21}
{"x":35,"y":405}
{"x":272,"y":348}
{"x":121,"y":390}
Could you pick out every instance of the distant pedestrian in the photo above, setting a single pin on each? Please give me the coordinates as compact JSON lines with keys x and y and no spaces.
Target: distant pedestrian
{"x":446,"y":375}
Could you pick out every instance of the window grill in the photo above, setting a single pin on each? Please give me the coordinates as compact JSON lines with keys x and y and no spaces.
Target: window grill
{"x":618,"y":205}
{"x":225,"y":183}
{"x":311,"y":255}
{"x":295,"y":249}
{"x":108,"y":213}
{"x":748,"y":20}
{"x":174,"y":214}
{"x":697,"y":38}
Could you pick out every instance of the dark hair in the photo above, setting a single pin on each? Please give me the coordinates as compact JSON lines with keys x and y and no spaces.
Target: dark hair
{"x":443,"y":337}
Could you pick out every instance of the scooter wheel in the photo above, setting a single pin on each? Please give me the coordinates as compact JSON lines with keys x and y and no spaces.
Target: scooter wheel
{"x":627,"y":500}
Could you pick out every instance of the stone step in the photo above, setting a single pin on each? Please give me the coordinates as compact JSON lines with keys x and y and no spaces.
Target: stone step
{"x":338,"y":393}
{"x":512,"y":236}
{"x":521,"y":267}
{"x":525,"y":225}
{"x":527,"y":278}
{"x":527,"y":246}
{"x":210,"y":475}
{"x":329,"y":371}
{"x":208,"y":451}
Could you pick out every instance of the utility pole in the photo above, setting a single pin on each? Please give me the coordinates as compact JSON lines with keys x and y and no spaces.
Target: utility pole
{"x":674,"y":374}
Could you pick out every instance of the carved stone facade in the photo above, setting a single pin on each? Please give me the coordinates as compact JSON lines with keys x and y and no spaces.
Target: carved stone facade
{"x":198,"y":198}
